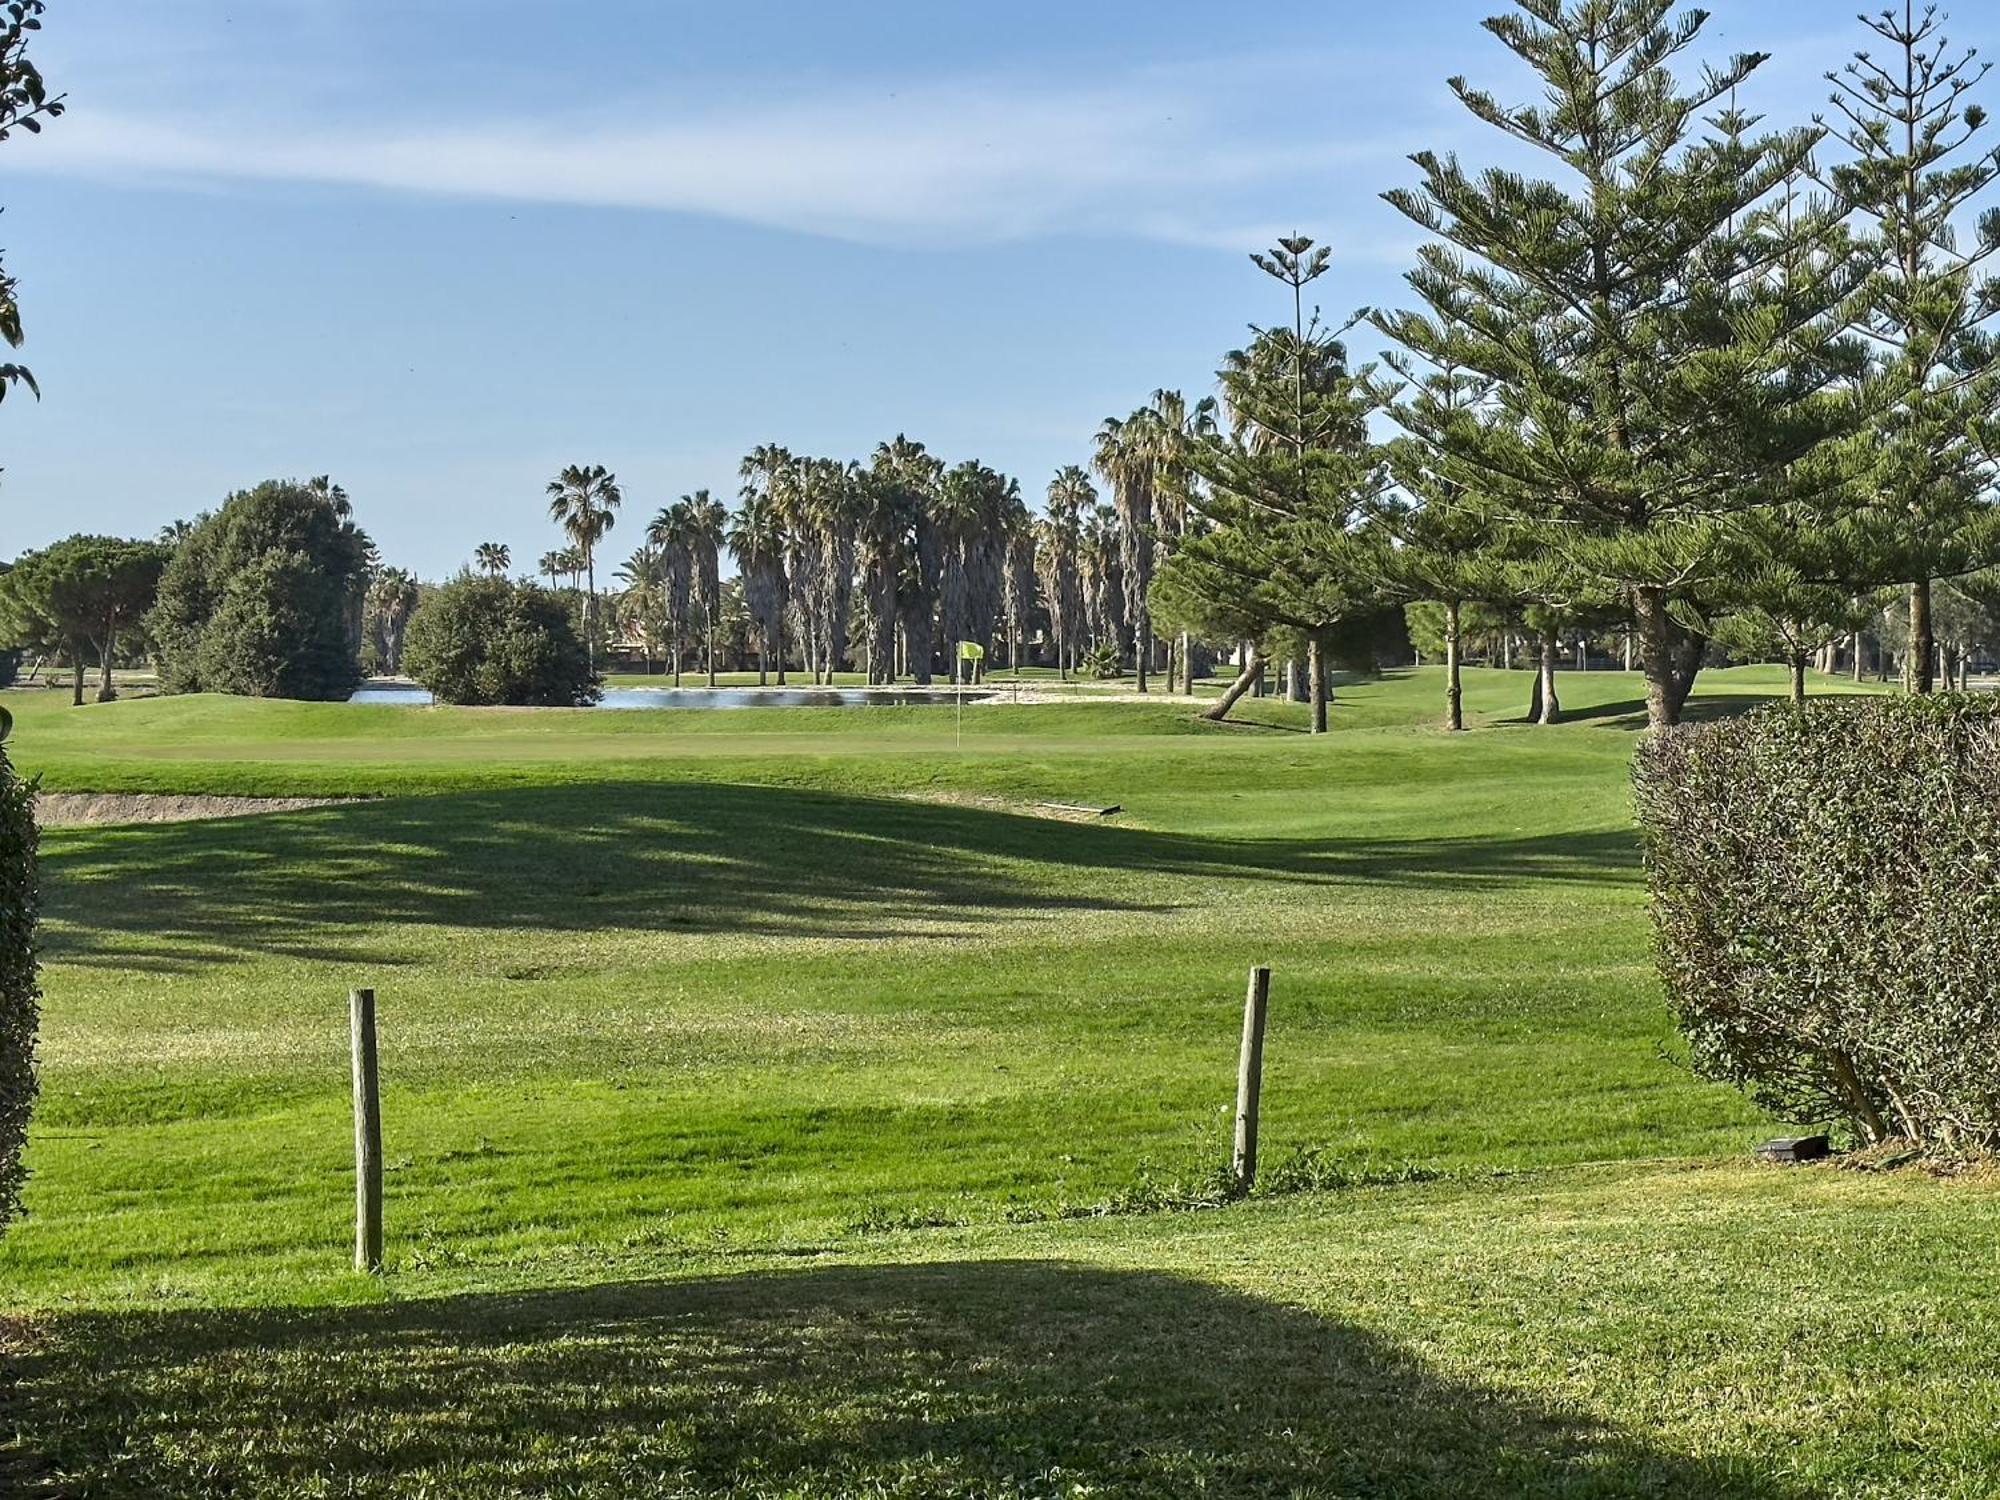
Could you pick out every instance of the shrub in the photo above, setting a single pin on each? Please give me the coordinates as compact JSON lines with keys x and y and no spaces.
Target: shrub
{"x":1826,"y":901}
{"x":19,"y":906}
{"x":264,"y":598}
{"x":486,"y":640}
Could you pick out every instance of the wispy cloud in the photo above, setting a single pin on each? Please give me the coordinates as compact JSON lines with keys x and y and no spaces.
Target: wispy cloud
{"x":1160,"y":154}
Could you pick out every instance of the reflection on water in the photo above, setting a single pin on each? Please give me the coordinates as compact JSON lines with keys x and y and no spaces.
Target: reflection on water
{"x":720,"y":697}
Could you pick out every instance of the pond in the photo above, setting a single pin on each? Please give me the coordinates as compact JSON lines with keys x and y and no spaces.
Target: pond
{"x":719,"y":697}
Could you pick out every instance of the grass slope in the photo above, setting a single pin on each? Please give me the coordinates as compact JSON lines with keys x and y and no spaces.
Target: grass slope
{"x":809,"y":1014}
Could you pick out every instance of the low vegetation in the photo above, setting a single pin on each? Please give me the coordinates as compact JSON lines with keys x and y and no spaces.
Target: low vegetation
{"x":1824,"y":888}
{"x":20,"y":906}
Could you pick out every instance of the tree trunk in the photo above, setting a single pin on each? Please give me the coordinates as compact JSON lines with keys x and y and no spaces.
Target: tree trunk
{"x":1454,"y":693}
{"x":1295,"y":680}
{"x":1252,"y":673}
{"x":1922,"y":654}
{"x":1656,"y":657}
{"x":1316,"y":683}
{"x":1857,"y":655}
{"x":1798,"y":679}
{"x":711,"y":648}
{"x":1545,"y":683}
{"x":105,"y":692}
{"x":76,"y":676}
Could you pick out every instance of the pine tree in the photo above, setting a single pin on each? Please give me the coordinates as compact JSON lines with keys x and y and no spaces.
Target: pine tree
{"x":1915,"y":178}
{"x":1447,"y":552}
{"x":1288,"y":543}
{"x":1652,"y":378}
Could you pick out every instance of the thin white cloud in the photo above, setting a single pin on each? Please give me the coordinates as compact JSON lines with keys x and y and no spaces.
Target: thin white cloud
{"x":975,"y":162}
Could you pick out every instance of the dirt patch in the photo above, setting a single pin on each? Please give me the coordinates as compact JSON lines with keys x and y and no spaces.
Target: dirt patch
{"x":77,"y":809}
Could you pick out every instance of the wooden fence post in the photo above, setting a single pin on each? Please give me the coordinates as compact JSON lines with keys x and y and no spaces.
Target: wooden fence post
{"x":367,"y":1134}
{"x":1250,"y":1078}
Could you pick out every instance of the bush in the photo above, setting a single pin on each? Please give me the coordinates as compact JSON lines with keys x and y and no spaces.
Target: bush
{"x":19,"y":906}
{"x":1826,"y":899}
{"x":486,"y":640}
{"x":263,"y":598}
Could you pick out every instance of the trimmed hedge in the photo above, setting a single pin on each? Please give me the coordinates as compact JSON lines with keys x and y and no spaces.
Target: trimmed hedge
{"x":20,"y":905}
{"x":1826,"y":900}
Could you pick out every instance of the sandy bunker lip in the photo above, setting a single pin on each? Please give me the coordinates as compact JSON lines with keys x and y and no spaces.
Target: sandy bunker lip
{"x":78,"y":809}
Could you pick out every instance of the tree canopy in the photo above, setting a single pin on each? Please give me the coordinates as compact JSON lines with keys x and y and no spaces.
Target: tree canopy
{"x":265,"y":598}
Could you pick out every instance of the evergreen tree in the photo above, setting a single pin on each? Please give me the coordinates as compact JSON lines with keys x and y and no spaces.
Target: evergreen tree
{"x":1916,"y":178}
{"x":1289,"y":542}
{"x":1652,"y":378}
{"x":262,"y":598}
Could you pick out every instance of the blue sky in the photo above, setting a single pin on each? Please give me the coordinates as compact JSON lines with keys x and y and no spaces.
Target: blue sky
{"x":440,"y":249}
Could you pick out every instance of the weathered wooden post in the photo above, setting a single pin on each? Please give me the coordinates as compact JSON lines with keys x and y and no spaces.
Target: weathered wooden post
{"x":1250,"y":1078}
{"x":367,"y":1134}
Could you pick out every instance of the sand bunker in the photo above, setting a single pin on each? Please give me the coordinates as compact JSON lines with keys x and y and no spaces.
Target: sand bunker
{"x":73,"y":809}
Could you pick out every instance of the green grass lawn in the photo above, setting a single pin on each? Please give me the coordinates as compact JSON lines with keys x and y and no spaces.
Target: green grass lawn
{"x":778,"y":1103}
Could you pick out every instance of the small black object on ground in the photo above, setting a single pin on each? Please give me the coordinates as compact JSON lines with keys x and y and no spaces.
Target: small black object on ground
{"x":1791,"y":1150}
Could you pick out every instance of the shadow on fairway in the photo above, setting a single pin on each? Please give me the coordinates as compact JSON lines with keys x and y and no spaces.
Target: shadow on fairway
{"x":976,"y":1379}
{"x":1630,"y":713}
{"x":695,"y":857}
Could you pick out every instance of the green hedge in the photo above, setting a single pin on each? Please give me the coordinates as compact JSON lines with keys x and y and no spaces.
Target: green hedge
{"x":1826,"y":899}
{"x":19,"y":908}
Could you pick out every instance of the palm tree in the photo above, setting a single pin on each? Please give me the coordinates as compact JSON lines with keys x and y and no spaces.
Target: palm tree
{"x":905,"y":465}
{"x":766,"y":471}
{"x":1101,"y":571}
{"x":889,"y":499}
{"x":708,"y":525}
{"x":551,"y":566}
{"x":1017,"y":548}
{"x":824,"y":508}
{"x":671,"y":533}
{"x":1175,"y":428}
{"x":1071,"y":495}
{"x":970,"y":512}
{"x":392,"y":597}
{"x":584,"y":501}
{"x":1125,"y":457}
{"x":492,"y":558}
{"x":322,"y":487}
{"x":757,"y":542}
{"x":642,"y":605}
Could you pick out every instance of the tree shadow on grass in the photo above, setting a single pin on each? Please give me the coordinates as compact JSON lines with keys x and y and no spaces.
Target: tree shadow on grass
{"x":1630,"y":713}
{"x":990,"y":1379}
{"x":694,"y":857}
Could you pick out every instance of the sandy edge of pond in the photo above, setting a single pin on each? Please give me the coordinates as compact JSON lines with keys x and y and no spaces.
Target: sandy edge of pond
{"x":84,"y":809}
